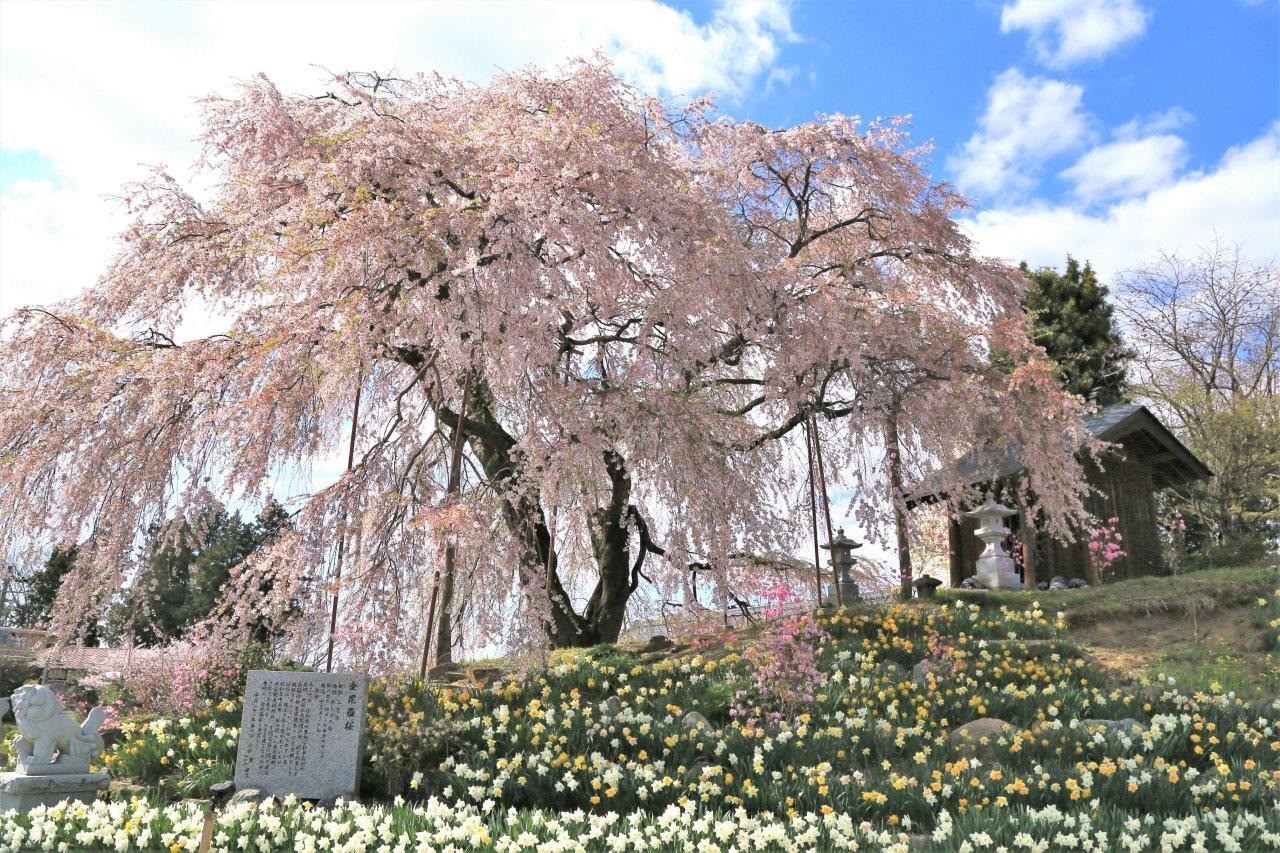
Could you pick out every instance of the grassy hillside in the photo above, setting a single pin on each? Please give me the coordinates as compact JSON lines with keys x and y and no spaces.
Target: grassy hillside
{"x":928,"y":727}
{"x":1201,"y":629}
{"x":1186,"y":594}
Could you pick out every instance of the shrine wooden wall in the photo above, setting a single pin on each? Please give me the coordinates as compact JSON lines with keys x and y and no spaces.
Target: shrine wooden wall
{"x":1126,"y":491}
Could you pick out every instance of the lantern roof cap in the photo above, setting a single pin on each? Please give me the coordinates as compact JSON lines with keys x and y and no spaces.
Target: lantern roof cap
{"x":842,"y":541}
{"x":990,"y":507}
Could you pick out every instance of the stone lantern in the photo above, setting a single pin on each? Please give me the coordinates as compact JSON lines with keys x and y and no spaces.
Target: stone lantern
{"x":996,"y":569}
{"x":841,"y":562}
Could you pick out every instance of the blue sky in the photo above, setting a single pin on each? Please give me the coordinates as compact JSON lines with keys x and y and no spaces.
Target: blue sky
{"x":1111,"y":129}
{"x":1217,"y":61}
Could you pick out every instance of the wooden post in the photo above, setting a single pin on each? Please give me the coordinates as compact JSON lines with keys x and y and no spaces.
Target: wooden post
{"x":342,"y":535}
{"x":826,"y":507}
{"x":955,"y":539}
{"x":444,"y":627}
{"x":1030,"y":552}
{"x":894,"y":451}
{"x":431,"y":628}
{"x":813,"y":513}
{"x":206,"y":833}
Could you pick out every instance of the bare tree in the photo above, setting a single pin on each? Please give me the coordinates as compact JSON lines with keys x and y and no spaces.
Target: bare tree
{"x":1206,"y":335}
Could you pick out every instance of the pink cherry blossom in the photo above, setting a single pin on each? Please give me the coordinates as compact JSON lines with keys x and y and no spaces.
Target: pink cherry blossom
{"x":642,"y":303}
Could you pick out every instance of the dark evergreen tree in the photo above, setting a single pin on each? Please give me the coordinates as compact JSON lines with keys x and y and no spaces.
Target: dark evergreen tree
{"x":184,"y":576}
{"x":1072,"y":320}
{"x":42,"y":591}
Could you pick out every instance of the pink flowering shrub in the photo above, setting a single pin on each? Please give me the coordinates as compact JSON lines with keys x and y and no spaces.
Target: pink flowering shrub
{"x":185,"y":677}
{"x":1178,"y":542}
{"x":938,"y":647}
{"x":776,"y":598}
{"x":783,"y":668}
{"x":1105,"y":549}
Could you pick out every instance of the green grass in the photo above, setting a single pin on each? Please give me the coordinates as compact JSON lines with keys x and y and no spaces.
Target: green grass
{"x":1194,"y":592}
{"x":1205,"y":667}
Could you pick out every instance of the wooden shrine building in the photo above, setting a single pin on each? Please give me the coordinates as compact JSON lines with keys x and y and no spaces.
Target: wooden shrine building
{"x":1144,"y":458}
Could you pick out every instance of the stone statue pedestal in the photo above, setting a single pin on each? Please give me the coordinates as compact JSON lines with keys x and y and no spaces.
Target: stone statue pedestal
{"x":1002,"y":574}
{"x":23,"y":793}
{"x":995,"y":568}
{"x":54,"y":752}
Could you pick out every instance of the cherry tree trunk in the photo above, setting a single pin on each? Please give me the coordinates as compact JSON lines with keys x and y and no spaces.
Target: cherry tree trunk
{"x":523,"y":515}
{"x":894,"y":451}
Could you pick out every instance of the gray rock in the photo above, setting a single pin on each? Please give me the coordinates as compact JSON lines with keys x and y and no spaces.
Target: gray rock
{"x":1125,"y":726}
{"x":249,"y":795}
{"x":884,"y":735}
{"x":892,"y":671}
{"x":1268,"y":707}
{"x":981,"y":738}
{"x":657,"y":643}
{"x":694,"y":773}
{"x":221,"y":792}
{"x":1077,"y":583}
{"x":971,"y":583}
{"x":611,"y":707}
{"x":485,"y":676}
{"x":921,"y":671}
{"x":694,"y":720}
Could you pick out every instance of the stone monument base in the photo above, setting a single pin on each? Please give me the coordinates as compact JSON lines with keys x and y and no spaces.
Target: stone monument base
{"x":22,"y":792}
{"x":997,"y":572}
{"x":999,"y":580}
{"x":848,"y":594}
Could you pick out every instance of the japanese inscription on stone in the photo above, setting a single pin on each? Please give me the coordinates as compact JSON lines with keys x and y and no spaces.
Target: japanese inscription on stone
{"x":302,"y":733}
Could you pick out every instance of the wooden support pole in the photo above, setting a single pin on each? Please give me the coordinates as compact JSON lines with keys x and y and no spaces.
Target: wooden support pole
{"x":955,"y":541}
{"x":894,"y":450}
{"x":826,"y":508}
{"x":342,"y":535}
{"x":813,"y":512}
{"x":444,"y":626}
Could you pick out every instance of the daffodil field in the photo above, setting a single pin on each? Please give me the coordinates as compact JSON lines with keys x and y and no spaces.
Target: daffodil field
{"x":814,"y":735}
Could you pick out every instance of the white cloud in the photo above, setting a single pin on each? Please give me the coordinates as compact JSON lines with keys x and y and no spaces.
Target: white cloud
{"x":1127,"y":167}
{"x":1239,"y":199}
{"x":1064,"y":32}
{"x":99,"y":89}
{"x":1028,"y":120}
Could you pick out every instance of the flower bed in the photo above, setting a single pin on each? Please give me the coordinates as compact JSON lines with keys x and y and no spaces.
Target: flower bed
{"x":436,"y":825}
{"x":597,"y":734}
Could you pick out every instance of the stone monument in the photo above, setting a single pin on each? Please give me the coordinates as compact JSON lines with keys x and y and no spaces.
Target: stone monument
{"x":996,"y":569}
{"x":302,"y":733}
{"x":54,"y":753}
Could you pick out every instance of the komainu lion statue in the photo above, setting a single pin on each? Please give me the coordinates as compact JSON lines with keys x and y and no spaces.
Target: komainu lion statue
{"x":49,"y":740}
